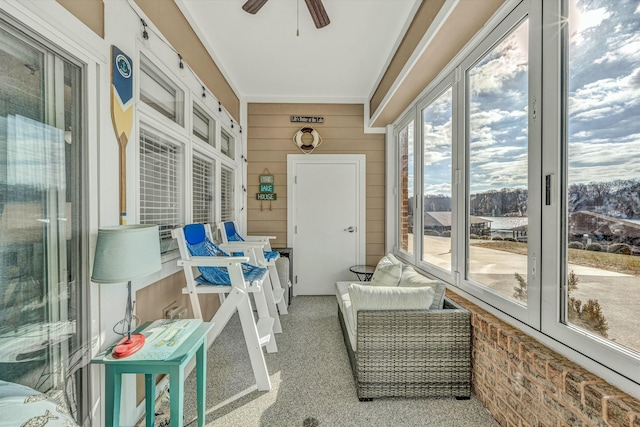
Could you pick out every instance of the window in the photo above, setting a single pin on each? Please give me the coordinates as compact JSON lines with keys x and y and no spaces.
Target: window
{"x":436,"y":186}
{"x":602,"y":143}
{"x":160,"y":185}
{"x":406,"y":220}
{"x":167,"y":151}
{"x":204,"y":127}
{"x":227,"y":145}
{"x":160,"y":93}
{"x":498,"y":166}
{"x":43,"y":283}
{"x":227,"y":199}
{"x":546,"y":219}
{"x":203,"y":190}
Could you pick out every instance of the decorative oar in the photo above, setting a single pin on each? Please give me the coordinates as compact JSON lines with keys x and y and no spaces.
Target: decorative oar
{"x":122,"y":116}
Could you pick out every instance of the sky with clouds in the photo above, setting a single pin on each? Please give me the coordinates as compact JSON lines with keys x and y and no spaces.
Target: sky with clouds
{"x":603,"y":99}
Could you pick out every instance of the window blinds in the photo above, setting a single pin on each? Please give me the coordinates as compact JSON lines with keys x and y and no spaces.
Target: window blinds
{"x":160,"y":202}
{"x":227,"y":197}
{"x":203,"y":187}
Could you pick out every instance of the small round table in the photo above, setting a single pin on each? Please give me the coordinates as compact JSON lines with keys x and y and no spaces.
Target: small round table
{"x":364,"y":272}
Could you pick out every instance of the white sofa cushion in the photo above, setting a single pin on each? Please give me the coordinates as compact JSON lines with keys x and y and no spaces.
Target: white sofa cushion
{"x":344,"y":303}
{"x":411,"y":278}
{"x":388,"y":298}
{"x":387,"y":272}
{"x":377,"y":298}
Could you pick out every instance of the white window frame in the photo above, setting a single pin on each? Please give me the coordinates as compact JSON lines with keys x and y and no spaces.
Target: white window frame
{"x":42,"y":20}
{"x":233,"y":143}
{"x":431,"y":96}
{"x":399,"y":127}
{"x":197,"y":108}
{"x":162,"y":78}
{"x":603,"y":351}
{"x":542,"y":316}
{"x":529,"y":314}
{"x":180,"y":142}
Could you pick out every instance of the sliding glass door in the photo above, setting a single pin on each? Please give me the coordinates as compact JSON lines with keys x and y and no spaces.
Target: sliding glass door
{"x":40,"y":217}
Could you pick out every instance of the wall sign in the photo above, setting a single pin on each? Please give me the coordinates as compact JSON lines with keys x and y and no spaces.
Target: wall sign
{"x":266,"y":189}
{"x":266,"y":196}
{"x":266,"y":179}
{"x":306,"y":119}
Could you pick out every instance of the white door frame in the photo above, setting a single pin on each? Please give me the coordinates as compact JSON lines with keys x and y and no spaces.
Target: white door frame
{"x":359,"y":160}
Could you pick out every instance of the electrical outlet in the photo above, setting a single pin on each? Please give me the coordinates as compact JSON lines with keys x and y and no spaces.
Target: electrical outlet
{"x":176,"y":312}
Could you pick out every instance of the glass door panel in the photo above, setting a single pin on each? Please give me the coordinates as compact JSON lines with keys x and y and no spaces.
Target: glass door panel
{"x":602,"y":214}
{"x":437,"y":155}
{"x":40,"y":190}
{"x":498,"y":167}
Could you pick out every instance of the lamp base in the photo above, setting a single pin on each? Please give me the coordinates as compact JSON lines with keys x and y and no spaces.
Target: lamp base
{"x":126,"y":347}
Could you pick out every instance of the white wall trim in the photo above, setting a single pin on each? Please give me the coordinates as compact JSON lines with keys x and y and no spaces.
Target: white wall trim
{"x":391,"y":189}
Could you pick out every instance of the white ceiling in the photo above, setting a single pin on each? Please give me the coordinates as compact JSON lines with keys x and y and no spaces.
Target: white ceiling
{"x":264,"y":60}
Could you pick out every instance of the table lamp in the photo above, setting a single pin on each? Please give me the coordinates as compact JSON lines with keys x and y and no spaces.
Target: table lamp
{"x":125,"y":253}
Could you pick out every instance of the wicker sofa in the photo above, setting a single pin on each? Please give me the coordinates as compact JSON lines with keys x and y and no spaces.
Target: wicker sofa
{"x":408,"y":353}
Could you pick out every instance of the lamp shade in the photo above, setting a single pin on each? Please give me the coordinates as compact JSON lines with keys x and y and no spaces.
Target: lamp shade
{"x":126,"y":252}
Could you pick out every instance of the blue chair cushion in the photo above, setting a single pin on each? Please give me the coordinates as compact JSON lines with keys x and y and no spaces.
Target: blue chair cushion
{"x":231,"y":232}
{"x":271,"y":255}
{"x":199,"y":245}
{"x":233,"y":236}
{"x":194,"y":233}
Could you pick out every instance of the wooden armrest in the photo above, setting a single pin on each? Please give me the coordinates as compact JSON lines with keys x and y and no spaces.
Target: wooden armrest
{"x":213,"y":261}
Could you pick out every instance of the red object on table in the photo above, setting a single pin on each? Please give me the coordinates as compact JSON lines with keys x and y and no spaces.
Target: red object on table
{"x":128,"y":346}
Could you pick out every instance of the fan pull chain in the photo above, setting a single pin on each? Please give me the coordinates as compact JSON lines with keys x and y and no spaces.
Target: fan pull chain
{"x":298,"y":18}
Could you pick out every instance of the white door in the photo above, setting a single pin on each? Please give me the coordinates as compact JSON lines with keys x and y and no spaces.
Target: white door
{"x":326,"y":219}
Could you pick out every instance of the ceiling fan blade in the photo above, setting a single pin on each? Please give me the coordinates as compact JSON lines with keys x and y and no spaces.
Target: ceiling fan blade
{"x":318,"y":14}
{"x":252,"y":6}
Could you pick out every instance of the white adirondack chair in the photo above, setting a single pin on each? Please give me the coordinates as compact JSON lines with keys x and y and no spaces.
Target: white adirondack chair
{"x":229,"y":234}
{"x":234,"y":277}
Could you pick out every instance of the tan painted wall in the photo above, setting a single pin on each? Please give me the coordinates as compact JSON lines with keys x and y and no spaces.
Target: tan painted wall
{"x":270,"y":134}
{"x":152,"y":300}
{"x":418,"y":27}
{"x":463,"y":23}
{"x":90,"y":12}
{"x":166,"y":15}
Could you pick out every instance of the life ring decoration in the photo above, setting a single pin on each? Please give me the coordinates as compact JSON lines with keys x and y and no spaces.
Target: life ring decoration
{"x":307,"y":139}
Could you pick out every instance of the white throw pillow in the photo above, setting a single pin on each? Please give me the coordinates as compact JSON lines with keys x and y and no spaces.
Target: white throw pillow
{"x":412,"y":279}
{"x":387,"y":272}
{"x":389,"y":298}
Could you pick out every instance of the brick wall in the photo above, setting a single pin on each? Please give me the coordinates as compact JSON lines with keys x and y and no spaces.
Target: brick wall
{"x":404,"y":197}
{"x":523,"y":383}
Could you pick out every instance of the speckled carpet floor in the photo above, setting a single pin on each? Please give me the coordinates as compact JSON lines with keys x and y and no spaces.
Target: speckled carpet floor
{"x":312,"y":382}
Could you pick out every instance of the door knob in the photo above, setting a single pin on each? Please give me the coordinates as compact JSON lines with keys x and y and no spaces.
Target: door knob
{"x":350,"y":229}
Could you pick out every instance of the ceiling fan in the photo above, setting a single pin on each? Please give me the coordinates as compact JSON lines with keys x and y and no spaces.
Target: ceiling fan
{"x":316,"y":9}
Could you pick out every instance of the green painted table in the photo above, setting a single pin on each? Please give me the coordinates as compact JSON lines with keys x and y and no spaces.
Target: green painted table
{"x":169,"y":346}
